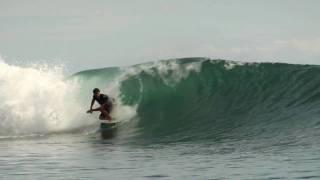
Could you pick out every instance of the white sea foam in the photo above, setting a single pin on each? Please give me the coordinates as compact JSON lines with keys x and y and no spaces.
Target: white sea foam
{"x":37,"y":99}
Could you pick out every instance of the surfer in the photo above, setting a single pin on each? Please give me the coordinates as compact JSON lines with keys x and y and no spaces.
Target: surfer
{"x":105,"y":104}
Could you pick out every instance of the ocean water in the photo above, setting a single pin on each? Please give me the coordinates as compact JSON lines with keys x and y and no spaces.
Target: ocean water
{"x":191,"y":118}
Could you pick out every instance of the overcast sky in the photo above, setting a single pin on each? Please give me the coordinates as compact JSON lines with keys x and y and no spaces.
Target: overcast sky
{"x":101,"y":33}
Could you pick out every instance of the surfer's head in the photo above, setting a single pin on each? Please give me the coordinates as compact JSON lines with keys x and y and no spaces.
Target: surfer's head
{"x":96,"y":91}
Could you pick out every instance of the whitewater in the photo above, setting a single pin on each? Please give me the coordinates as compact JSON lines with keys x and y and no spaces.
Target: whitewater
{"x":190,"y":118}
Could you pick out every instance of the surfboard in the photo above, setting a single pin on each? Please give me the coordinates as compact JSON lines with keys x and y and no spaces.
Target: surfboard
{"x":108,"y":128}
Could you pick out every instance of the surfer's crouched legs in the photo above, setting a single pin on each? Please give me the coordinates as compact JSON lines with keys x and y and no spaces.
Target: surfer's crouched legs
{"x":105,"y":110}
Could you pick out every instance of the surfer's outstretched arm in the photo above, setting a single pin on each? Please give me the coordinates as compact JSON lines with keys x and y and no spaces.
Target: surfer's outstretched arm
{"x":102,"y":110}
{"x":90,"y":110}
{"x":92,"y":102}
{"x":96,"y":109}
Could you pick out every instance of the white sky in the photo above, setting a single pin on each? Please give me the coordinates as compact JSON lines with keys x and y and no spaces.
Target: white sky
{"x":85,"y":34}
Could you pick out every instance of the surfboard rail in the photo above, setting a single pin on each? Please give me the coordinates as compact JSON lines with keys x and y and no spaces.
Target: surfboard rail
{"x":109,"y":122}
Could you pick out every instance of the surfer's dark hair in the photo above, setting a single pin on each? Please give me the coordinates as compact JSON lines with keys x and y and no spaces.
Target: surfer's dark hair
{"x":95,"y":90}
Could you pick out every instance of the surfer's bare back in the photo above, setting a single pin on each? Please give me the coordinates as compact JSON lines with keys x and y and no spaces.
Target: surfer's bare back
{"x":105,"y":104}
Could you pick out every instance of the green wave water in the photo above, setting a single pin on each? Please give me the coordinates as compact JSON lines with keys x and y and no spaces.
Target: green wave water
{"x":195,"y":99}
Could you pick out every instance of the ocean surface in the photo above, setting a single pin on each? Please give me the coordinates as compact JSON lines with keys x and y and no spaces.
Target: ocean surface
{"x":191,"y":118}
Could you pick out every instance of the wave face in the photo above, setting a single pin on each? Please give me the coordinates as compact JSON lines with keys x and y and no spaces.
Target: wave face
{"x":190,"y":99}
{"x":204,"y":99}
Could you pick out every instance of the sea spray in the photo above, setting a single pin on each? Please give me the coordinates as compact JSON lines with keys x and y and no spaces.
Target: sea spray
{"x":37,"y":99}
